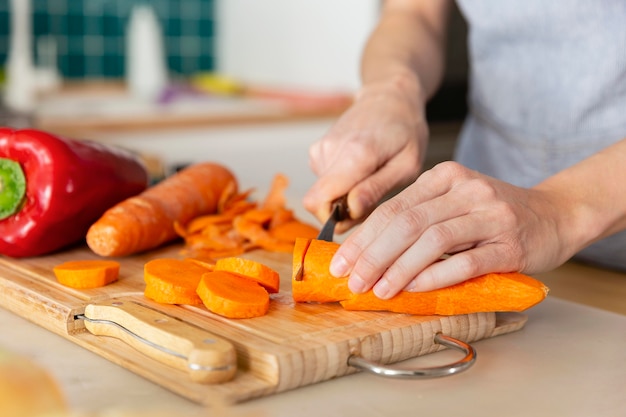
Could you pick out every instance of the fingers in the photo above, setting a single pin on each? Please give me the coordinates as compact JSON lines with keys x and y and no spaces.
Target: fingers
{"x":447,"y":210}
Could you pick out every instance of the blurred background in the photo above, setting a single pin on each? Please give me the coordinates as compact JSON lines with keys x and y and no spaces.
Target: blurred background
{"x":103,"y":68}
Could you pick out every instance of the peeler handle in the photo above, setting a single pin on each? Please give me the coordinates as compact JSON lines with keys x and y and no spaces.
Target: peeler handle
{"x":206,"y":357}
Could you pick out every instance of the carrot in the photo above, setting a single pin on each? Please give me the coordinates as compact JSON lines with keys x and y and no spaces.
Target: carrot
{"x":173,"y":281}
{"x":146,"y":221}
{"x":241,"y":225}
{"x":317,"y":284}
{"x":85,"y":273}
{"x":232,"y":295}
{"x":256,"y":271}
{"x":490,"y":292}
{"x":291,"y":230}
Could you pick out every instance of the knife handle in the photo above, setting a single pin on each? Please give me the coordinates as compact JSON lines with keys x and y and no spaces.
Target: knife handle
{"x":206,"y":357}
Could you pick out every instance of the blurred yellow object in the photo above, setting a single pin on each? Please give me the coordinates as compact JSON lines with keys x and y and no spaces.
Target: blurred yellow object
{"x":213,"y":83}
{"x":27,"y":390}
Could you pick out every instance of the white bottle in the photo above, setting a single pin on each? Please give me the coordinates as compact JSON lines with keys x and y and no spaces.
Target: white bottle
{"x":146,"y":72}
{"x":21,"y":87}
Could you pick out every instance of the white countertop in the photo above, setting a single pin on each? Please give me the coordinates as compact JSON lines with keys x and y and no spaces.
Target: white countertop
{"x":569,"y":360}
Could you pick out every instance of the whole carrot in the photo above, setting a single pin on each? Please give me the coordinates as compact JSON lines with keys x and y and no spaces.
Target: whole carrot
{"x":146,"y":221}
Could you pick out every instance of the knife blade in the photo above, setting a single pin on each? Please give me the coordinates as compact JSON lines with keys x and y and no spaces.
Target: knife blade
{"x":339,"y":212}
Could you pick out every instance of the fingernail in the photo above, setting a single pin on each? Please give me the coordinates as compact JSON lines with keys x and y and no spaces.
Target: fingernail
{"x":338,"y":266}
{"x":356,"y":284}
{"x":381,"y":289}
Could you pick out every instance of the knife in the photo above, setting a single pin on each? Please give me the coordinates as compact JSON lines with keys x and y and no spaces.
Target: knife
{"x":339,"y":212}
{"x":207,"y":358}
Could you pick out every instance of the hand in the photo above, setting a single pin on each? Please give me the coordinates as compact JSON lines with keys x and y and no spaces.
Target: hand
{"x":375,"y":147}
{"x":485,"y":225}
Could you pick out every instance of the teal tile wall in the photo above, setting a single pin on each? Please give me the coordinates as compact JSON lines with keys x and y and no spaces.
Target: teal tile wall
{"x":89,"y":34}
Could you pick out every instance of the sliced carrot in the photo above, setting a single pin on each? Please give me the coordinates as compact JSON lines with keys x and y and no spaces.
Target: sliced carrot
{"x":317,"y":284}
{"x":487,"y":293}
{"x":491,"y":292}
{"x":173,"y":281}
{"x":147,"y":220}
{"x":85,"y":274}
{"x":253,"y":270}
{"x":232,"y":295}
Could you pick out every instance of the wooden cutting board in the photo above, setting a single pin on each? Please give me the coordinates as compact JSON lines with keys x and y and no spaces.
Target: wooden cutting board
{"x":294,"y":345}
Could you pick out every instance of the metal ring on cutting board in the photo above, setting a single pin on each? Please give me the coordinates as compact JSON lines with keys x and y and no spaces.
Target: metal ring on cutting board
{"x":421,"y":373}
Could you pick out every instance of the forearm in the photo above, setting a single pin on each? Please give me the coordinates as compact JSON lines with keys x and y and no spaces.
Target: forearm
{"x":408,"y":45}
{"x":590,"y":197}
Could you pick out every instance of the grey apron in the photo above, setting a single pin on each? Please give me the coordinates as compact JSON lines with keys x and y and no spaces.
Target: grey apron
{"x":547,"y":89}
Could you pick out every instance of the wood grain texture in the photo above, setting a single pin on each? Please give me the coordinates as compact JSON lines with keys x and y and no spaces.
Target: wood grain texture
{"x":292,"y":346}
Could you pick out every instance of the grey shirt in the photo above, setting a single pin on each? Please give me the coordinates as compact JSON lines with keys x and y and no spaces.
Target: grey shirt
{"x":547,"y":89}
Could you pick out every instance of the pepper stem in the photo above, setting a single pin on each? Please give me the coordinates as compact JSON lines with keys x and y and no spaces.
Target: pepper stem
{"x":12,"y":187}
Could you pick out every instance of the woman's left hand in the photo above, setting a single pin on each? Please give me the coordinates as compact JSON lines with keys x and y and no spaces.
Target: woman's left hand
{"x":484,"y":224}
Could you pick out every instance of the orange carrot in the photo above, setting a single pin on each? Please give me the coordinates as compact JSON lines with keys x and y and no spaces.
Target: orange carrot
{"x":291,"y":230}
{"x":173,"y":281}
{"x":241,"y":225}
{"x":87,"y":273}
{"x":233,"y":296}
{"x":256,"y":271}
{"x":317,"y":284}
{"x":147,"y":221}
{"x":491,"y":292}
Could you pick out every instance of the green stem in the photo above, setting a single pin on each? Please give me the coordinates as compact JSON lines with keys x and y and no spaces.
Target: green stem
{"x":12,"y":187}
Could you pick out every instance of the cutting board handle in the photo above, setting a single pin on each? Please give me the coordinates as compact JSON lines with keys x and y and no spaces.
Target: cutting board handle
{"x":206,"y":357}
{"x":421,"y":373}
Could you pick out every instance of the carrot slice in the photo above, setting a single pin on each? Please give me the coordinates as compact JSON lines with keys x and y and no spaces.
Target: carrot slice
{"x":173,"y":281}
{"x":232,"y":295}
{"x":317,"y":284}
{"x":256,"y":271}
{"x":87,"y":273}
{"x":511,"y":291}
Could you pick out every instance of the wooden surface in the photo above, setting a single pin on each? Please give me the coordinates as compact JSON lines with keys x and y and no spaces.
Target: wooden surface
{"x":292,"y":346}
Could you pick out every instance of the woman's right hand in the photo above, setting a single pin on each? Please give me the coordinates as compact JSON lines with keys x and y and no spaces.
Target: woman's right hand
{"x":377,"y":146}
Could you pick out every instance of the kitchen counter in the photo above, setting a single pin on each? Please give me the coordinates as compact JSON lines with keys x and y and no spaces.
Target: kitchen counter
{"x":569,"y":359}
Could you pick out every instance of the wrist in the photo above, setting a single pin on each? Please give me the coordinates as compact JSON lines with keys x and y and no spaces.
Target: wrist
{"x":396,"y":82}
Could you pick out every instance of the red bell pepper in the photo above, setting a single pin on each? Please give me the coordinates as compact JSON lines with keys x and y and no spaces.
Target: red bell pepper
{"x":52,"y":189}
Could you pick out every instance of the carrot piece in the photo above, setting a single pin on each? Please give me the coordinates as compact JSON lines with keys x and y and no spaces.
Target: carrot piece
{"x":84,"y":274}
{"x":290,"y":231}
{"x":317,"y":284}
{"x":256,"y":271}
{"x":490,"y":292}
{"x":147,"y":220}
{"x":232,"y":295}
{"x":173,"y":281}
